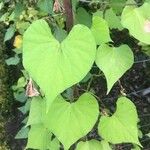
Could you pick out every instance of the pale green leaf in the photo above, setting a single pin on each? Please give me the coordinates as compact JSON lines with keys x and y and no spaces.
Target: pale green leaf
{"x":23,"y":133}
{"x":24,"y":109}
{"x":13,"y":60}
{"x":9,"y":33}
{"x":135,"y":20}
{"x":70,"y":122}
{"x":93,"y":145}
{"x":21,"y":82}
{"x":112,"y":20}
{"x":39,"y":137}
{"x":54,"y":66}
{"x":114,"y":62}
{"x":100,"y":30}
{"x":121,"y":127}
{"x":54,"y":144}
{"x":37,"y":111}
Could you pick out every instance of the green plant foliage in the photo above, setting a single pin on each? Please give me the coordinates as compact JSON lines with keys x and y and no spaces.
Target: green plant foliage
{"x":9,"y":34}
{"x":13,"y":60}
{"x":25,"y":108}
{"x":74,"y":120}
{"x":121,"y":127}
{"x":100,"y":30}
{"x":83,"y":17}
{"x":136,"y":21}
{"x":60,"y":34}
{"x":120,"y":60}
{"x":93,"y":145}
{"x":112,"y":20}
{"x":23,"y":133}
{"x":40,"y":138}
{"x":37,"y":111}
{"x":117,"y":5}
{"x":46,"y":6}
{"x":62,"y":62}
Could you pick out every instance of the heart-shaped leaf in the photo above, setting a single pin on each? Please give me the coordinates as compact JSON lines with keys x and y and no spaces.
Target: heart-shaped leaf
{"x":37,"y":111}
{"x":100,"y":30}
{"x":112,"y":19}
{"x":55,"y":66}
{"x":121,"y":127}
{"x":136,"y":21}
{"x":114,"y":62}
{"x":40,"y":138}
{"x":70,"y":122}
{"x":93,"y":145}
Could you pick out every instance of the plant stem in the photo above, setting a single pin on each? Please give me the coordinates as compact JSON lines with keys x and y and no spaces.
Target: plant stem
{"x":69,"y":14}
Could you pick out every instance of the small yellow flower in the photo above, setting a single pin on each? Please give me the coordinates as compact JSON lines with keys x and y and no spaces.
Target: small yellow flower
{"x":18,"y":41}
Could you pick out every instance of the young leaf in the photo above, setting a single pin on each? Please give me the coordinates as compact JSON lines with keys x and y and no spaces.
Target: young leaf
{"x":93,"y":145}
{"x":23,"y":133}
{"x":13,"y":60}
{"x":9,"y":33}
{"x":54,"y":66}
{"x":40,"y":138}
{"x":136,"y":21}
{"x":121,"y":127}
{"x":24,"y":109}
{"x":100,"y":30}
{"x":70,"y":122}
{"x":114,"y":62}
{"x":37,"y":111}
{"x":113,"y":20}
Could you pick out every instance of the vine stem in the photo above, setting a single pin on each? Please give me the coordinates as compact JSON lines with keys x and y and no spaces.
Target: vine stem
{"x":69,"y":14}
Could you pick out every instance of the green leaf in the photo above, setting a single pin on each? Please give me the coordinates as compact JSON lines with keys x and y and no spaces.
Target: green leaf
{"x":83,"y":17}
{"x":60,"y":34}
{"x":100,"y":30}
{"x":74,"y":4}
{"x":24,"y":121}
{"x":74,"y":120}
{"x":120,"y":60}
{"x":23,"y":133}
{"x":24,"y":109}
{"x":40,"y":138}
{"x":121,"y":127}
{"x":9,"y":33}
{"x":136,"y":20}
{"x":20,"y":95}
{"x":21,"y":82}
{"x":13,"y":60}
{"x":117,"y":6}
{"x":93,"y":145}
{"x":37,"y":111}
{"x":113,"y":20}
{"x":46,"y":6}
{"x":56,"y":67}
